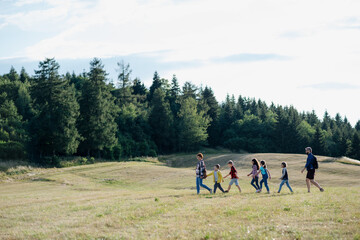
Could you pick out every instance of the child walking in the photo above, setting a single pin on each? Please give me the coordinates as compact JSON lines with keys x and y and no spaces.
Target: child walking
{"x":234,"y":176}
{"x":201,"y":173}
{"x":284,"y":177}
{"x":265,"y":176}
{"x":218,"y":178}
{"x":253,"y":173}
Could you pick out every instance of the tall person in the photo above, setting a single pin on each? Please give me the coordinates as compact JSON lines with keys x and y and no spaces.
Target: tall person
{"x":311,"y":166}
{"x":201,"y":173}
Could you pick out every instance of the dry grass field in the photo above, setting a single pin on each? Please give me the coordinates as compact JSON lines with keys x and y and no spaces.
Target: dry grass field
{"x":157,"y":200}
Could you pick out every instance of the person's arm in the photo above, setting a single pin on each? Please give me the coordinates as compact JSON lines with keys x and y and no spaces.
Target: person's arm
{"x":250,"y":172}
{"x":283,"y":174}
{"x":227,"y":175}
{"x":268,"y":173}
{"x":257,"y":173}
{"x":306,"y":165}
{"x":212,"y":173}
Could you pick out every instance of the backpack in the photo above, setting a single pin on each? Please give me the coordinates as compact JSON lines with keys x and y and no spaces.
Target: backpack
{"x":315,"y":163}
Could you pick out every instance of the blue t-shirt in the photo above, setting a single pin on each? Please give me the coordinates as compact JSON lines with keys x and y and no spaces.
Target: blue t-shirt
{"x":263,"y":170}
{"x":309,"y":161}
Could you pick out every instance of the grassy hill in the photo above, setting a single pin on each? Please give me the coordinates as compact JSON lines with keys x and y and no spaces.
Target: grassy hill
{"x":157,"y":200}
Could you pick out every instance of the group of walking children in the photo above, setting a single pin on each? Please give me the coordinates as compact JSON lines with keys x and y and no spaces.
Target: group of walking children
{"x":218,"y":178}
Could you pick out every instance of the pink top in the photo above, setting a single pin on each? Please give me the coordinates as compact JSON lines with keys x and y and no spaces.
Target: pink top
{"x":254,"y":170}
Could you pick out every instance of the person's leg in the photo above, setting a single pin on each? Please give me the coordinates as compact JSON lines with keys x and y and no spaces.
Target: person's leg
{"x":220,"y":187}
{"x":308,"y":184}
{"x":257,"y":182}
{"x":281,"y":184}
{"x":237,"y":185}
{"x":316,"y":184}
{"x":204,"y":186}
{"x":261,"y":183}
{"x":215,"y":187}
{"x":288,"y":185}
{"x":252,"y":183}
{"x":230,"y":183}
{"x":197,"y":185}
{"x":266,"y":184}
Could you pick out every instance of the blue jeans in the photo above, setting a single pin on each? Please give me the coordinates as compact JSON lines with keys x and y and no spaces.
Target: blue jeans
{"x":287,"y":184}
{"x":199,"y":183}
{"x":264,"y":180}
{"x":256,"y":181}
{"x":218,"y":185}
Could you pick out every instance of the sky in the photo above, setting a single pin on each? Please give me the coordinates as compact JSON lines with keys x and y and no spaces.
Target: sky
{"x":302,"y":53}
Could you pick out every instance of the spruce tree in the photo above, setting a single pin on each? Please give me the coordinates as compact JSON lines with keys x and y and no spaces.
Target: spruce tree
{"x":161,"y":121}
{"x":355,"y":146}
{"x":319,"y":144}
{"x":97,"y":111}
{"x":54,"y":126}
{"x":124,"y":93}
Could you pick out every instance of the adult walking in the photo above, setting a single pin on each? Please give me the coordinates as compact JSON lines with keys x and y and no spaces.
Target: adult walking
{"x":201,"y":173}
{"x":311,"y":166}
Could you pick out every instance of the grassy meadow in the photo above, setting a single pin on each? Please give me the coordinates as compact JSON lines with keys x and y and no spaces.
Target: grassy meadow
{"x":157,"y":200}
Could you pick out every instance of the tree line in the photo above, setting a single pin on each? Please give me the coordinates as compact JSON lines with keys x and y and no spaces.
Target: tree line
{"x":49,"y":114}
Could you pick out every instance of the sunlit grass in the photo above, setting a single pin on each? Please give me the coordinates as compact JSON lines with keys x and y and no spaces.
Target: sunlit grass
{"x":148,"y":200}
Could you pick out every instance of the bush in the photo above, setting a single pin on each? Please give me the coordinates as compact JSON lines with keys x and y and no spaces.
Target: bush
{"x":12,"y":150}
{"x":83,"y":160}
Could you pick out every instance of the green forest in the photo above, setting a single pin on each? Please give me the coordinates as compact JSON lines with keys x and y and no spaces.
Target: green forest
{"x":48,"y":114}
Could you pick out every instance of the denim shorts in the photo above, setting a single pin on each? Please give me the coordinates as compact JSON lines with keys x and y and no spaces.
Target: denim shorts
{"x":234,"y":180}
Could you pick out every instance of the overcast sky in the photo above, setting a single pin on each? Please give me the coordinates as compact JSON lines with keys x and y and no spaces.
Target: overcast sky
{"x":302,"y":53}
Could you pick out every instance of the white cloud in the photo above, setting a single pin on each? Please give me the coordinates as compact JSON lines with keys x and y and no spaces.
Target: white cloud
{"x":320,"y":39}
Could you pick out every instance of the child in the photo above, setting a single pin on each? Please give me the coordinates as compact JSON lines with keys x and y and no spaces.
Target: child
{"x":265,"y":175}
{"x":255,"y":178}
{"x":234,"y":176}
{"x":218,"y":178}
{"x":201,"y":173}
{"x":284,"y":177}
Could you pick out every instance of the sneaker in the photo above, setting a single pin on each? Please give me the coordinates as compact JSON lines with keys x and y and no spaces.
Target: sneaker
{"x":211,"y":191}
{"x":257,"y":191}
{"x":321,"y":190}
{"x":268,"y":193}
{"x":226,"y":191}
{"x":278,"y":192}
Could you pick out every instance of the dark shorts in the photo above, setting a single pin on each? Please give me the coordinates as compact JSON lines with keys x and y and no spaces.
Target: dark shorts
{"x":310,"y":174}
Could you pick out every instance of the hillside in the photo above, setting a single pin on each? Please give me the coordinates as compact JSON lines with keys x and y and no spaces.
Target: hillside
{"x":150,"y":200}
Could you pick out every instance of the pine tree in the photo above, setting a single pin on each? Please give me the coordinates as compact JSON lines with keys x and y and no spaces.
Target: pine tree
{"x":54,"y":126}
{"x":189,"y":90}
{"x":156,"y":84}
{"x":357,"y":126}
{"x":319,"y":144}
{"x":355,"y":146}
{"x":212,"y":112}
{"x":161,"y":120}
{"x":12,"y":75}
{"x":192,"y":124}
{"x":24,"y":77}
{"x":138,"y":88}
{"x":124,"y":93}
{"x":97,"y":111}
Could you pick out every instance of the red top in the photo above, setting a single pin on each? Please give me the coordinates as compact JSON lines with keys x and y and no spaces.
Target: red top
{"x":233,"y":172}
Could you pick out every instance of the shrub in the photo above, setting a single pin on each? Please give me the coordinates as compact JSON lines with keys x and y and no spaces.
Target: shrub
{"x":12,"y":150}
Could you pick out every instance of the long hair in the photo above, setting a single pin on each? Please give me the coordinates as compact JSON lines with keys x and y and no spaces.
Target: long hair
{"x":256,"y":162}
{"x":263,"y":163}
